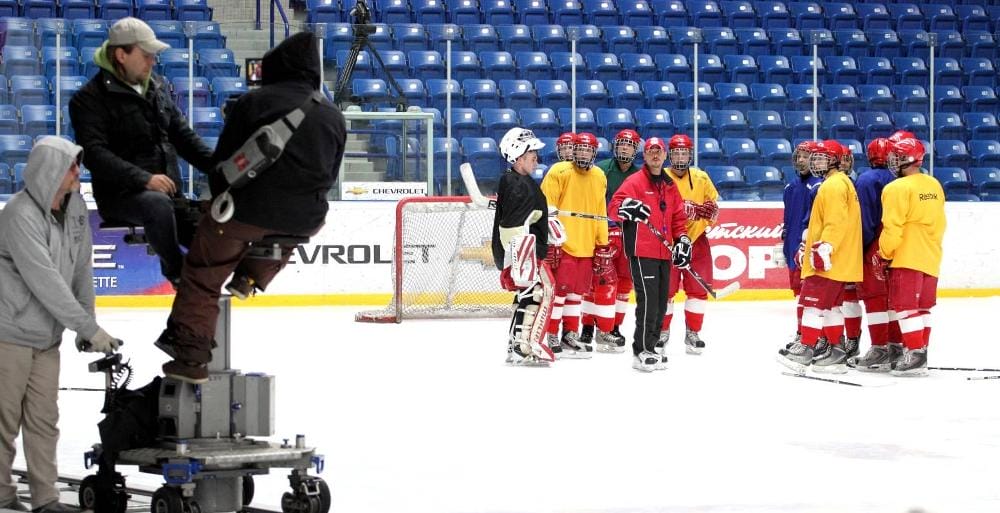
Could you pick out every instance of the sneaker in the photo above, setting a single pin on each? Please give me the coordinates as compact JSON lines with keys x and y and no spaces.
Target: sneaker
{"x":693,"y":344}
{"x":610,"y":343}
{"x":797,"y":357}
{"x":554,"y":345}
{"x":189,"y":372}
{"x":645,"y":361}
{"x":852,"y":346}
{"x":14,"y":505}
{"x":574,"y":348}
{"x":57,"y":507}
{"x":875,"y":360}
{"x":834,"y":362}
{"x":913,"y":363}
{"x":241,"y":287}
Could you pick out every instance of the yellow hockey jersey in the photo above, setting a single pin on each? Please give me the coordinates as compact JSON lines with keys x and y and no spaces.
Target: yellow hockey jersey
{"x":836,"y":218}
{"x":696,"y":186}
{"x":570,"y":190}
{"x":913,"y":223}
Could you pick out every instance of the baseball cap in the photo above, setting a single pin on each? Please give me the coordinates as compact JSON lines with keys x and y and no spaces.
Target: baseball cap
{"x":653,"y":142}
{"x":133,"y":31}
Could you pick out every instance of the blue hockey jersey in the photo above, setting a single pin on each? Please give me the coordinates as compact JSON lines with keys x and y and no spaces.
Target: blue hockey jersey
{"x":798,"y":198}
{"x":869,"y":186}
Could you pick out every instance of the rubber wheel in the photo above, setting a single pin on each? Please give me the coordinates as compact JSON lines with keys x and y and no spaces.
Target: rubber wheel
{"x":94,"y":497}
{"x":192,"y":507}
{"x":248,"y":490}
{"x":167,"y":500}
{"x":325,"y":497}
{"x":88,"y":493}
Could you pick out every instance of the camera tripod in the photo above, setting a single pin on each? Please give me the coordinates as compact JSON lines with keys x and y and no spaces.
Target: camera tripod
{"x":362,"y":29}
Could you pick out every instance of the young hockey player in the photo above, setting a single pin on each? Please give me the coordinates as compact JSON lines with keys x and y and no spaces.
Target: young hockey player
{"x":852,"y":306}
{"x":798,"y":198}
{"x":564,"y":146}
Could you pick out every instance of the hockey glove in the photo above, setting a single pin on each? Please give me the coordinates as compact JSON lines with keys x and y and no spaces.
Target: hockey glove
{"x":553,"y":256}
{"x":557,"y":233}
{"x":820,"y":254}
{"x":708,"y":210}
{"x":778,"y":255}
{"x":800,"y":254}
{"x":682,"y":252}
{"x":101,"y":342}
{"x":604,"y":268}
{"x":690,"y":210}
{"x":615,"y":238}
{"x":880,"y":267}
{"x":633,"y":210}
{"x":506,"y":282}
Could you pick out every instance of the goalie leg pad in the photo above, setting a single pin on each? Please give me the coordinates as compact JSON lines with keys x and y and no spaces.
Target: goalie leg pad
{"x":532,"y":315}
{"x":524,"y":261}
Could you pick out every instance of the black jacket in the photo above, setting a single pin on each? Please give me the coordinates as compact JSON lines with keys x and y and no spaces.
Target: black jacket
{"x":517,"y":196}
{"x":127,"y":137}
{"x":289,"y":196}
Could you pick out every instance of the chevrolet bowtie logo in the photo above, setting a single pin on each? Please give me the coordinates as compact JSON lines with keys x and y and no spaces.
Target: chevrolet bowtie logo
{"x":482,"y":254}
{"x":357,"y":190}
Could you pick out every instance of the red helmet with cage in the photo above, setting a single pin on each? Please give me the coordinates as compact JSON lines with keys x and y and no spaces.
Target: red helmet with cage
{"x":681,"y":149}
{"x":899,"y":135}
{"x":624,"y":140}
{"x":564,"y":146}
{"x":905,"y":153}
{"x":878,"y":152}
{"x":584,"y":150}
{"x":800,"y":156}
{"x":825,"y":157}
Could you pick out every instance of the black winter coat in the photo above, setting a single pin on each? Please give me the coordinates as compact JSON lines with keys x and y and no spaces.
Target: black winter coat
{"x":127,"y":138}
{"x":289,"y":196}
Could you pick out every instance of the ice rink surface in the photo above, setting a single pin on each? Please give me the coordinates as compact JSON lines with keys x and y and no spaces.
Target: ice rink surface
{"x":424,"y":417}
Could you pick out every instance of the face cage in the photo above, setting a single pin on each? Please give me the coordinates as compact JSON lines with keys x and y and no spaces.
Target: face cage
{"x":581,"y":162}
{"x":820,"y":165}
{"x":621,"y":157}
{"x":676,"y":156}
{"x":895,"y":163}
{"x":565,"y":152}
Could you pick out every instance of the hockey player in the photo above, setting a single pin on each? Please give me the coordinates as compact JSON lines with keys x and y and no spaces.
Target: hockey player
{"x":650,"y":197}
{"x":913,"y":225}
{"x":606,"y":304}
{"x":831,"y":258}
{"x":852,"y":305}
{"x":520,"y":242}
{"x":564,"y":146}
{"x":798,"y":198}
{"x":576,"y":187}
{"x":700,"y":206}
{"x":886,"y":346}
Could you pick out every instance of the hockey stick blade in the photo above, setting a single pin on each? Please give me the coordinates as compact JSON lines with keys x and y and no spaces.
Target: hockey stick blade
{"x":727,"y":290}
{"x":472,"y":188}
{"x":828,"y":380}
{"x":967,"y":369}
{"x":978,"y":378}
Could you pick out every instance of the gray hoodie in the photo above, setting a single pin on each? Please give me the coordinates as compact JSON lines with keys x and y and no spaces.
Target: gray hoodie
{"x":46,"y":273}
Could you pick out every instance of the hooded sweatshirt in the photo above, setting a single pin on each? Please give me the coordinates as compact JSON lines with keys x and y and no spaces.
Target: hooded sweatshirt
{"x":45,"y":260}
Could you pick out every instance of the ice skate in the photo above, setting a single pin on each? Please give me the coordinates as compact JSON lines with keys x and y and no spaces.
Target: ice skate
{"x":795,"y":340}
{"x":664,"y":339}
{"x":693,"y":344}
{"x":822,"y":348}
{"x":587,"y":334}
{"x":895,"y":352}
{"x":645,"y":361}
{"x":852,"y":346}
{"x":610,"y":342}
{"x":572,"y":347}
{"x":797,"y":357}
{"x":554,"y":345}
{"x":913,"y":363}
{"x":875,"y":360}
{"x":517,"y":358}
{"x":833,"y":362}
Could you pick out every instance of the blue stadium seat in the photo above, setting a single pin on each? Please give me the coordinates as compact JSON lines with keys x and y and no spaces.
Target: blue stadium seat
{"x":324,"y":11}
{"x":218,"y":62}
{"x":661,"y":95}
{"x":984,"y":153}
{"x":619,"y":40}
{"x":153,"y":10}
{"x":192,"y":10}
{"x":710,"y":69}
{"x":973,"y":18}
{"x":20,"y":60}
{"x":395,"y":11}
{"x":465,"y":65}
{"x":673,"y":67}
{"x":772,"y":15}
{"x":684,"y":121}
{"x":739,"y":14}
{"x":637,"y":13}
{"x":197,"y":88}
{"x":786,"y":41}
{"x":465,"y":12}
{"x":980,"y":44}
{"x":704,"y":13}
{"x":428,"y":11}
{"x":800,"y":96}
{"x":734,"y":96}
{"x":876,"y":98}
{"x":915,"y":43}
{"x":741,"y":68}
{"x":875,"y":124}
{"x":603,"y":66}
{"x":424,"y":64}
{"x":410,"y":36}
{"x":948,"y":99}
{"x":766,"y":124}
{"x":802,"y":69}
{"x":878,"y":70}
{"x":905,"y":16}
{"x":826,"y":46}
{"x":588,"y":40}
{"x":362,"y":65}
{"x":653,"y":39}
{"x":982,"y":125}
{"x":948,"y":125}
{"x":496,"y":122}
{"x":441,"y":147}
{"x":9,"y":124}
{"x":395,"y":62}
{"x":873,"y":16}
{"x":169,"y":31}
{"x":914,"y":122}
{"x":225,"y":87}
{"x":706,"y":97}
{"x":14,"y":149}
{"x":951,"y":44}
{"x":981,"y":99}
{"x":910,"y":98}
{"x":481,"y":93}
{"x":114,"y":9}
{"x":753,"y":41}
{"x":986,"y":182}
{"x":728,"y":123}
{"x":541,"y":121}
{"x":483,"y":155}
{"x":567,"y":13}
{"x":208,"y":34}
{"x":684,"y":39}
{"x":414,"y":91}
{"x":614,"y":120}
{"x":951,"y":152}
{"x":800,"y":124}
{"x":727,"y":179}
{"x":842,"y":70}
{"x":29,"y":90}
{"x":979,"y":72}
{"x":807,"y":15}
{"x":720,"y":40}
{"x":369,"y":91}
{"x":626,"y":94}
{"x":911,"y":70}
{"x":554,"y":94}
{"x":840,"y":97}
{"x":603,"y":148}
{"x":89,"y":33}
{"x":550,"y":38}
{"x":769,"y":96}
{"x":886,"y":43}
{"x":439,"y":34}
{"x":710,"y":154}
{"x":954,"y":180}
{"x":68,"y":59}
{"x":516,"y":38}
{"x":600,"y":12}
{"x":948,"y":72}
{"x":766,"y":179}
{"x":671,"y":13}
{"x":207,"y":121}
{"x":838,"y":124}
{"x":466,"y":123}
{"x":852,"y":42}
{"x":592,"y":94}
{"x":532,"y":12}
{"x":653,"y":122}
{"x":840,"y":15}
{"x":563,"y":64}
{"x":775,"y":69}
{"x":481,"y":38}
{"x":67,"y":86}
{"x":638,"y":67}
{"x":775,"y":151}
{"x":585,"y":121}
{"x":518,"y":94}
{"x":174,"y":62}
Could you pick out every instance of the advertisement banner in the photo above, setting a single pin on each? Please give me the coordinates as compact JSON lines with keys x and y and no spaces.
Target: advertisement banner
{"x":381,"y":191}
{"x":742,"y":243}
{"x":122,"y":269}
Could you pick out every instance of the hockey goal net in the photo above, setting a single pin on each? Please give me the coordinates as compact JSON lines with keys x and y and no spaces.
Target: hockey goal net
{"x":442,"y":264}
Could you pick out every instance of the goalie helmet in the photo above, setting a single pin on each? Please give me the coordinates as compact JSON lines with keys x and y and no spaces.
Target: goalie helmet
{"x":878,"y":151}
{"x":905,"y":153}
{"x":681,"y":152}
{"x":622,"y":142}
{"x":564,"y":146}
{"x":825,"y":158}
{"x":584,"y":150}
{"x":800,"y":157}
{"x":518,"y":141}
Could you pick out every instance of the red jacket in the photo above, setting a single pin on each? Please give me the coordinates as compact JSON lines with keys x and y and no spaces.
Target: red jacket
{"x":666,"y":213}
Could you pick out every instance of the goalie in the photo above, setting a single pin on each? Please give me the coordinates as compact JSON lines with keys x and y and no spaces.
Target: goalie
{"x":521,"y":234}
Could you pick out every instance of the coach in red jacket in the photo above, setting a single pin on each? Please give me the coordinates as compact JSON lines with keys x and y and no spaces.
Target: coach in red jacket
{"x":651,"y":198}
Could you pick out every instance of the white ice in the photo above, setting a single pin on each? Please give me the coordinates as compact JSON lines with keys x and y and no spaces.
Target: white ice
{"x":425,"y":417}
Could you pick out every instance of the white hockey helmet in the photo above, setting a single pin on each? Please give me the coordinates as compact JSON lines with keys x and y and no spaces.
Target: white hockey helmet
{"x":518,"y":141}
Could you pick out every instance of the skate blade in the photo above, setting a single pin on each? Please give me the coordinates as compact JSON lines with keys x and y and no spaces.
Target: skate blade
{"x":837,"y":368}
{"x":527,"y":363}
{"x":603,"y":348}
{"x":693,"y":350}
{"x":873,"y":369}
{"x":912,"y":373}
{"x":660,"y":366}
{"x":577,"y":355}
{"x":642,"y":367}
{"x":795,"y":367}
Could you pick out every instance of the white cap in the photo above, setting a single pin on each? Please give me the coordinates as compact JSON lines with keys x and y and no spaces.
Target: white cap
{"x":133,"y":31}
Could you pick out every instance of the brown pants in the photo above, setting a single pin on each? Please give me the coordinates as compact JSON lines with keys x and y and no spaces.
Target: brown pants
{"x":218,"y":250}
{"x":29,"y":394}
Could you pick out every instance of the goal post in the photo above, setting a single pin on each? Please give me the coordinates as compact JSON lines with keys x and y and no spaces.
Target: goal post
{"x":442,"y":263}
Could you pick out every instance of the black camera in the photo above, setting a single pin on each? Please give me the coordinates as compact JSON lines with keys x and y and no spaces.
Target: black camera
{"x":362,"y":15}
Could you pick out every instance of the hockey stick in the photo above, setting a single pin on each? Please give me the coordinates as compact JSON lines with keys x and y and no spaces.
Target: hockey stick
{"x":471,"y":187}
{"x":969,"y":369}
{"x":976,"y":378}
{"x":716,"y":294}
{"x":828,"y":380}
{"x":79,"y":389}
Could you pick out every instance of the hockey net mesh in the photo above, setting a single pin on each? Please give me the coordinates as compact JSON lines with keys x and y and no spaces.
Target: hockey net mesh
{"x":442,"y":264}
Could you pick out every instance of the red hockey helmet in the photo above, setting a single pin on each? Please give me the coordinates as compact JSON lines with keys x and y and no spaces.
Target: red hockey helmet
{"x":564,"y":146}
{"x":800,"y":157}
{"x":681,"y":152}
{"x":825,"y":157}
{"x":878,"y":152}
{"x":584,"y":150}
{"x":622,"y":143}
{"x":905,"y":153}
{"x":899,"y":135}
{"x":846,"y":158}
